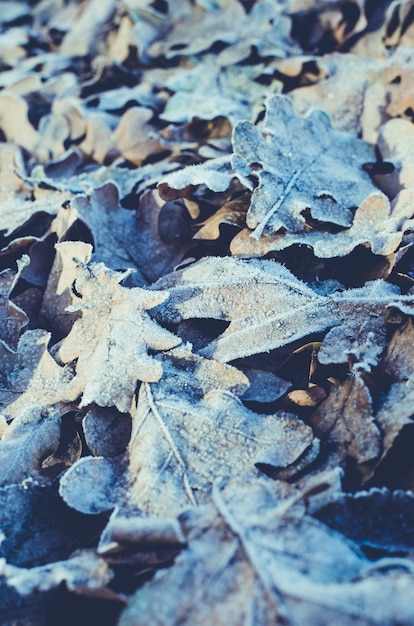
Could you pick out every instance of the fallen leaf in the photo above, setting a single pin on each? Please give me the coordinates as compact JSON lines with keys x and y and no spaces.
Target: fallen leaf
{"x":188,"y":429}
{"x":291,"y":158}
{"x":266,"y":305}
{"x":377,"y":224}
{"x":30,"y":376}
{"x":267,"y":561}
{"x":31,"y":437}
{"x":112,"y":337}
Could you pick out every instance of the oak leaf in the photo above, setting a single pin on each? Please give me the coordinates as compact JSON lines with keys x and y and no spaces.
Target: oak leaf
{"x":269,"y":562}
{"x":266,"y":305}
{"x":292,"y":159}
{"x":187,"y":429}
{"x":110,"y":342}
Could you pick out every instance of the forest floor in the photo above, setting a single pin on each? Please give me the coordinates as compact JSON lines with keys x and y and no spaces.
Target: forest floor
{"x":207,"y":291}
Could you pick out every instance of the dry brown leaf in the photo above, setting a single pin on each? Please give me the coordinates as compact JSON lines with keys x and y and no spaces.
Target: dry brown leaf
{"x":345,"y":420}
{"x":135,"y":138}
{"x":162,"y":235}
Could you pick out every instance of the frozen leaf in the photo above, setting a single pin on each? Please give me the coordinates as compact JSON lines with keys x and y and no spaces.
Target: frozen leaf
{"x":12,"y":318}
{"x":207,"y":91}
{"x":187,"y":430}
{"x":58,"y":295}
{"x":216,"y":174}
{"x":359,"y":345}
{"x":84,"y":572}
{"x":292,"y":158}
{"x":113,"y":228}
{"x":376,"y":224}
{"x":264,"y":386}
{"x":30,"y":376}
{"x":345,"y":420}
{"x":266,"y":305}
{"x":31,"y":437}
{"x":112,"y":338}
{"x":268,"y":562}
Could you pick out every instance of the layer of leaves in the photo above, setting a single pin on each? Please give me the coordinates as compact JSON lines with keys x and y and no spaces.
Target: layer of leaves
{"x":149,"y":379}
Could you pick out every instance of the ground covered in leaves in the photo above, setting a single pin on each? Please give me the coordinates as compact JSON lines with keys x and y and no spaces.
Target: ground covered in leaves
{"x":207,"y":291}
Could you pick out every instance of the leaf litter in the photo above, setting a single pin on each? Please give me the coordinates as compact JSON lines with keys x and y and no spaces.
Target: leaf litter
{"x":207,"y":280}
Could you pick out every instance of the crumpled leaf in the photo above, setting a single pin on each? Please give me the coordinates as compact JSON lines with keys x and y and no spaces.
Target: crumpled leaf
{"x":345,"y":420}
{"x":187,"y":429}
{"x":112,"y":338}
{"x":162,"y":236}
{"x":376,"y":224}
{"x":84,"y":572}
{"x":266,"y":305}
{"x":292,"y":158}
{"x":268,"y":562}
{"x":30,"y":438}
{"x":113,"y":228}
{"x":30,"y":376}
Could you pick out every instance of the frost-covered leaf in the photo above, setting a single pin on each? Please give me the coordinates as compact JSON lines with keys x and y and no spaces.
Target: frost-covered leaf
{"x":110,"y":342}
{"x":84,"y":572}
{"x":188,"y":429}
{"x":268,"y":562}
{"x":113,"y":228}
{"x":208,"y":90}
{"x":390,"y":531}
{"x":216,"y":174}
{"x":30,"y":438}
{"x":266,"y":305}
{"x":58,"y":295}
{"x":292,"y":158}
{"x":377,"y":224}
{"x":30,"y":376}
